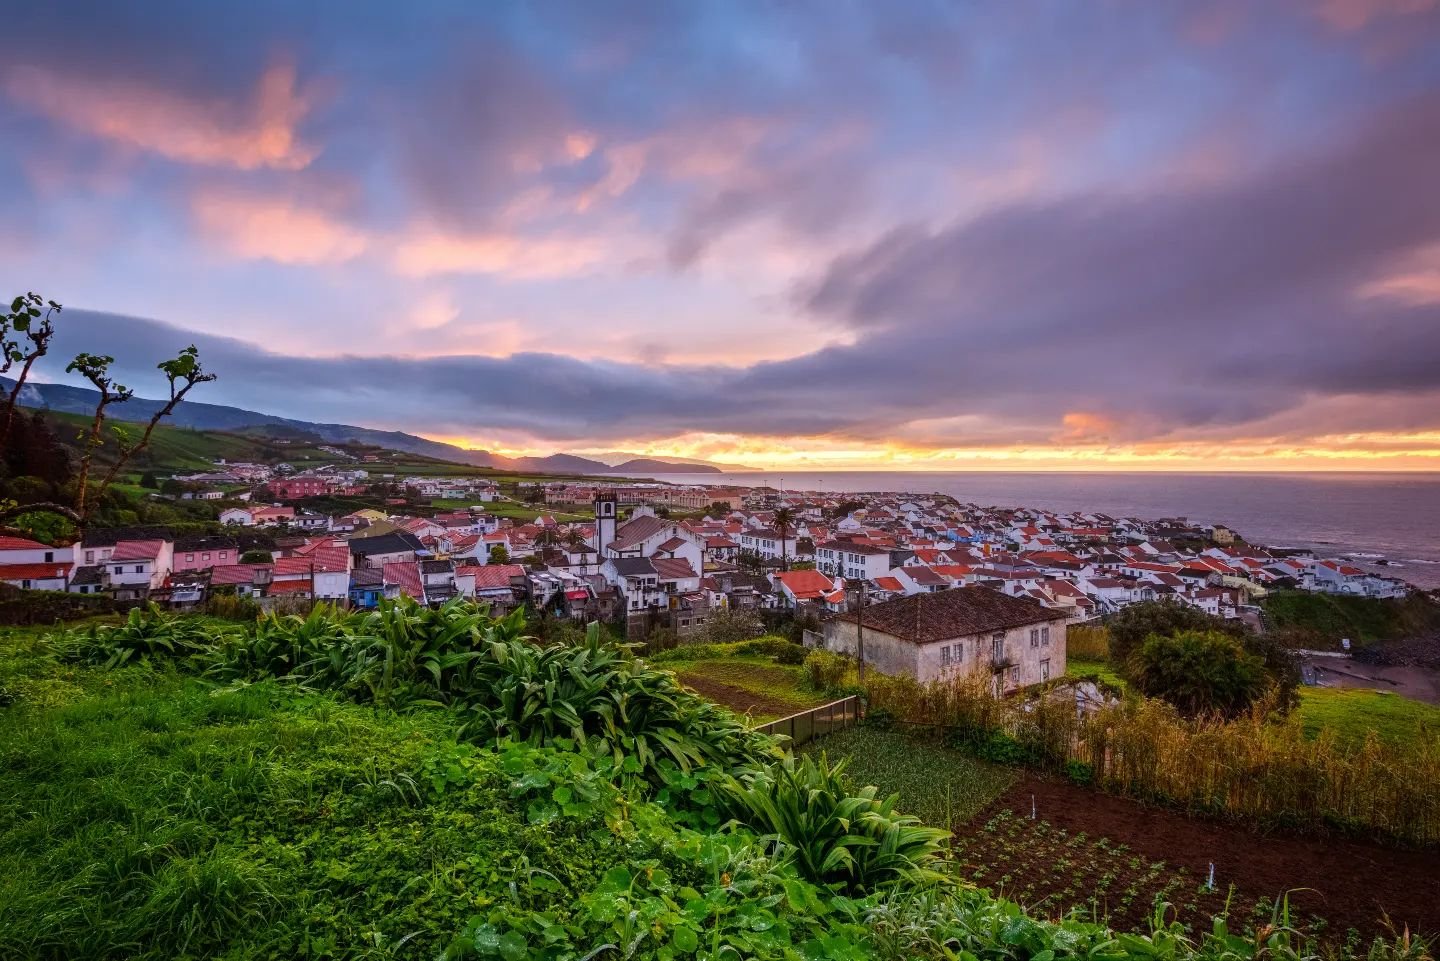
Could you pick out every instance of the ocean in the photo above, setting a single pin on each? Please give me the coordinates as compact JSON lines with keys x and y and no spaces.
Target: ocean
{"x":1390,"y":516}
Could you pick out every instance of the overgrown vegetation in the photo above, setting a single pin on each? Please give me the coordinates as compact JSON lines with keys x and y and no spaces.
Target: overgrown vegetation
{"x":413,"y":783}
{"x":1256,"y":767}
{"x":1318,"y":621}
{"x":937,"y":784}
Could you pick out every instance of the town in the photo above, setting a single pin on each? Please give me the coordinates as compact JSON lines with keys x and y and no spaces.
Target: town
{"x":658,"y":560}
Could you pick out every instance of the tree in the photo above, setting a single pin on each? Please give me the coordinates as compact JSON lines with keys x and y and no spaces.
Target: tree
{"x":256,"y":556}
{"x":499,"y":555}
{"x":575,"y":540}
{"x":547,"y":537}
{"x":784,"y":522}
{"x":1133,"y":624}
{"x":149,"y":480}
{"x":25,"y":332}
{"x":32,"y":318}
{"x":1199,"y":672}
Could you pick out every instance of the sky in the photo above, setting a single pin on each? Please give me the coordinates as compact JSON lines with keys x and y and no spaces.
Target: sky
{"x":827,"y":235}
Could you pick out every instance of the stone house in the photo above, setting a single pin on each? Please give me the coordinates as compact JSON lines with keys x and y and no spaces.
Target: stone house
{"x":1017,"y":640}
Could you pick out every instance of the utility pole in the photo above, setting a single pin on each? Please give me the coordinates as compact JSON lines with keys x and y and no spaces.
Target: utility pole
{"x":860,"y":630}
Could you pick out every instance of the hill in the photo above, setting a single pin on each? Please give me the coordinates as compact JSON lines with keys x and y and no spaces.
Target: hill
{"x":64,"y":398}
{"x":649,"y":465}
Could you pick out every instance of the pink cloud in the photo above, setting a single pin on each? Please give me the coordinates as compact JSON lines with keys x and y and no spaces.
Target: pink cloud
{"x":427,"y":252}
{"x":259,"y":134}
{"x":263,"y":228}
{"x":1350,"y":15}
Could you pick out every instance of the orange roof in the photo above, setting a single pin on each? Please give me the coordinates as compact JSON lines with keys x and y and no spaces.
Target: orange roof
{"x":806,"y":584}
{"x":291,"y":587}
{"x":889,"y":584}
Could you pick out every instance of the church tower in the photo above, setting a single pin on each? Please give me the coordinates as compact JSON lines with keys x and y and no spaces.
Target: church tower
{"x":606,"y":519}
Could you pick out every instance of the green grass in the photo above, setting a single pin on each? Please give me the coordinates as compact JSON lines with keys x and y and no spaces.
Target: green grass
{"x":781,"y":684}
{"x":514,"y":510}
{"x":1353,"y":713}
{"x":940,"y":786}
{"x":1101,"y":669}
{"x":146,"y":815}
{"x":1322,"y":619}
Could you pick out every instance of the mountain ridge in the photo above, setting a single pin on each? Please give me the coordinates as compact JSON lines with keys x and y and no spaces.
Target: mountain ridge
{"x":199,"y":415}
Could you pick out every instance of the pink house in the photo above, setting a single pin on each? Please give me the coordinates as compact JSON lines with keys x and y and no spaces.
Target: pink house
{"x":205,"y":553}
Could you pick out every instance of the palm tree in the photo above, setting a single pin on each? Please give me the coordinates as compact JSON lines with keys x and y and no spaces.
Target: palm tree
{"x":575,"y":539}
{"x":784,"y":521}
{"x":546,"y":537}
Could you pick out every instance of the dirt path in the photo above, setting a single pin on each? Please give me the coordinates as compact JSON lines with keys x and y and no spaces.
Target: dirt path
{"x":1408,"y":680}
{"x":1353,"y":884}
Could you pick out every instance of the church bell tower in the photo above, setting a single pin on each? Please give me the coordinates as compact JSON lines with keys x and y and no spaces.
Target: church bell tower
{"x":606,"y":518}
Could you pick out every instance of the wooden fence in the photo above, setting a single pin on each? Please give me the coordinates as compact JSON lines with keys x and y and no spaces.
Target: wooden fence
{"x":807,"y":725}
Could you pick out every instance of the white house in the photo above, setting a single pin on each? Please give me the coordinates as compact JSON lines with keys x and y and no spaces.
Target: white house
{"x":851,"y":560}
{"x":135,"y":568}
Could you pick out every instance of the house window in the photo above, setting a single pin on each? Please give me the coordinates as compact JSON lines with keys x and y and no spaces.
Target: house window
{"x":139,"y":569}
{"x":997,"y":646}
{"x":945,"y":656}
{"x":1034,"y":637}
{"x":204,"y":557}
{"x":224,"y":554}
{"x":49,"y":557}
{"x":189,"y":557}
{"x":119,"y":570}
{"x":89,"y":557}
{"x":1045,"y":636}
{"x":1015,"y":675}
{"x":1045,"y":669}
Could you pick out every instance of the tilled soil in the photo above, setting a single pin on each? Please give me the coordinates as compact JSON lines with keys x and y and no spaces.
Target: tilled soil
{"x":1352,"y":884}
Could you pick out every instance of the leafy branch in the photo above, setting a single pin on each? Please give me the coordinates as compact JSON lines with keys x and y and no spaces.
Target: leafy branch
{"x":30,"y":318}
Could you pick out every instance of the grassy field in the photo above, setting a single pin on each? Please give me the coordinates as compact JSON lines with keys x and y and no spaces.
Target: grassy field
{"x":938,"y":785}
{"x":1353,"y":713}
{"x":516,"y":510}
{"x":750,"y":685}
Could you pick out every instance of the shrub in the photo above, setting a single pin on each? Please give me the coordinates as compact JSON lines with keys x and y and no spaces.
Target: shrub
{"x":805,"y":812}
{"x":1130,"y":628}
{"x":20,"y":608}
{"x":790,"y":654}
{"x":1200,"y":672}
{"x":145,"y":633}
{"x":726,"y":626}
{"x":1135,"y":623}
{"x":825,"y":670}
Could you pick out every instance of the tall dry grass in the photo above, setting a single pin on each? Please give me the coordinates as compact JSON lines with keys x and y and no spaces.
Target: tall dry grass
{"x":1087,"y":642}
{"x":1257,"y":767}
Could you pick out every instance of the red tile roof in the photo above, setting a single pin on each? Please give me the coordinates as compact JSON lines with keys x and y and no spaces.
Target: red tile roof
{"x":33,"y":572}
{"x":22,"y":544}
{"x":673,"y":568}
{"x":494,"y":577}
{"x":300,"y":586}
{"x":236,"y":573}
{"x":137,"y":550}
{"x":406,"y":576}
